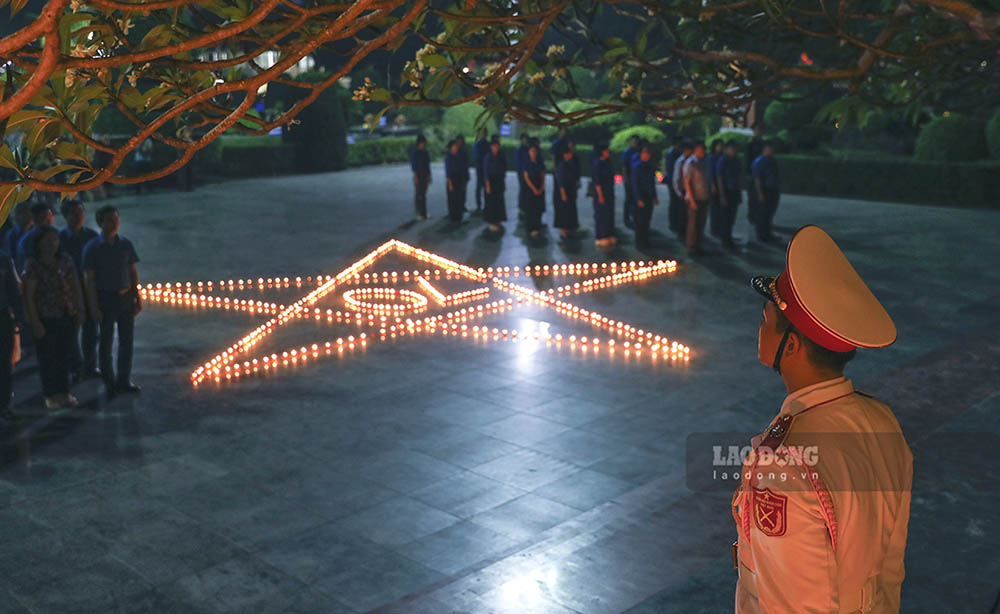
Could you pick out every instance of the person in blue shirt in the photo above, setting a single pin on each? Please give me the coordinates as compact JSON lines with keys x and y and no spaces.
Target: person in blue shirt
{"x":603,"y":182}
{"x":12,"y":317}
{"x":420,"y":164}
{"x":73,"y":238}
{"x":23,"y":223}
{"x":41,"y":215}
{"x":628,"y":161}
{"x":568,"y":180}
{"x":676,"y":205}
{"x":112,"y":290}
{"x":520,"y":157}
{"x":532,"y":175}
{"x":456,"y":177}
{"x":766,"y":187}
{"x":716,"y":218}
{"x":495,"y":175}
{"x":755,"y":146}
{"x":643,"y":177}
{"x":728,"y":174}
{"x":480,"y":149}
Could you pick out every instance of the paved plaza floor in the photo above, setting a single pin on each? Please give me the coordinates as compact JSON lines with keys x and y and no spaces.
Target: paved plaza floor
{"x":436,"y":473}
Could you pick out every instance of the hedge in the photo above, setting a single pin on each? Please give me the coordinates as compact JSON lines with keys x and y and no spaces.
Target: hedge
{"x":974,"y":184}
{"x":952,"y":138}
{"x":656,"y":138}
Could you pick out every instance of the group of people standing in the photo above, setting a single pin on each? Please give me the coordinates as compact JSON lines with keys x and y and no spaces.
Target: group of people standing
{"x":72,"y":288}
{"x":705,"y":186}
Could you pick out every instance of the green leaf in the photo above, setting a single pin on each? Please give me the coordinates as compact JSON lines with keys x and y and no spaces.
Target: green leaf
{"x":65,"y":150}
{"x":434,"y":59}
{"x":16,"y":6}
{"x":378,"y":116}
{"x":25,"y":116}
{"x":381,"y":95}
{"x":610,"y":54}
{"x":7,"y":158}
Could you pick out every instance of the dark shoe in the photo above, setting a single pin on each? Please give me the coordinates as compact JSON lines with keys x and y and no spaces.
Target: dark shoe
{"x":128,"y":387}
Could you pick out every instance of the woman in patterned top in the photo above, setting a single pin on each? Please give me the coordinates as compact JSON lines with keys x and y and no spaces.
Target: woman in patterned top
{"x":53,"y":301}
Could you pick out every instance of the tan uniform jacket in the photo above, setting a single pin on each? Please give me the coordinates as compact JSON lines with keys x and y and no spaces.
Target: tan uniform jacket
{"x":822,"y":524}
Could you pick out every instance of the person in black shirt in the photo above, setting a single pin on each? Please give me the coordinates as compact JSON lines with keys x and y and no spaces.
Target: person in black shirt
{"x":456,"y":177}
{"x":111,"y":285}
{"x":533,"y":177}
{"x":568,"y":180}
{"x":420,"y":164}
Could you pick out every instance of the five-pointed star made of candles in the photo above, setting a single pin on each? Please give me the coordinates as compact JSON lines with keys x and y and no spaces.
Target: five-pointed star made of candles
{"x":390,"y":312}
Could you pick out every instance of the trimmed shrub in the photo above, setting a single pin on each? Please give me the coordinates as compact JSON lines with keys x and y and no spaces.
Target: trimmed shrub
{"x":972,"y":184}
{"x":993,"y":134}
{"x":790,"y":114}
{"x":461,"y":119}
{"x":656,"y":138}
{"x":381,"y":151}
{"x":739,"y":138}
{"x":952,"y":138}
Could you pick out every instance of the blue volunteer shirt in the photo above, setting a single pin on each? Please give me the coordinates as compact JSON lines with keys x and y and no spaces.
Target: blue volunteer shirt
{"x":603,"y":175}
{"x":521,"y":157}
{"x":536,"y":171}
{"x":568,"y":174}
{"x":74,"y":242}
{"x":644,"y":180}
{"x":479,"y":150}
{"x":12,"y":239}
{"x":25,"y":248}
{"x":765,"y":168}
{"x":670,"y":159}
{"x":496,"y":170}
{"x":110,"y":262}
{"x":728,"y":169}
{"x":627,"y":160}
{"x":420,"y":162}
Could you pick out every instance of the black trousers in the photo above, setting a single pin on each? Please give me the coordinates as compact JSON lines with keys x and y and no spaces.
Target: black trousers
{"x":522,"y":195}
{"x":765,"y":213}
{"x":696,"y":224}
{"x":6,"y":353}
{"x":629,"y":209}
{"x":678,"y":214}
{"x":420,"y":196}
{"x":55,"y":354}
{"x":116,"y":311}
{"x":729,"y":214}
{"x":456,"y":201}
{"x":643,"y":218}
{"x":716,"y":216}
{"x":752,"y":204}
{"x":480,"y":188}
{"x":85,"y":348}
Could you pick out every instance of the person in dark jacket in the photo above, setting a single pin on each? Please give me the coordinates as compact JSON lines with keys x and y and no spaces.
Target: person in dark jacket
{"x":568,"y":180}
{"x":480,"y":149}
{"x":644,"y":188}
{"x":420,"y":164}
{"x":727,"y":180}
{"x":520,"y":158}
{"x":456,"y":177}
{"x":603,"y":181}
{"x":533,"y":177}
{"x":559,"y":145}
{"x":628,"y":162}
{"x":495,"y":175}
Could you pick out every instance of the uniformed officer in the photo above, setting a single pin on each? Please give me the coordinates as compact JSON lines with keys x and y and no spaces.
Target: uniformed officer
{"x":823,"y":505}
{"x":420,"y":164}
{"x":73,"y":238}
{"x":644,"y":188}
{"x":628,"y":160}
{"x":495,"y":175}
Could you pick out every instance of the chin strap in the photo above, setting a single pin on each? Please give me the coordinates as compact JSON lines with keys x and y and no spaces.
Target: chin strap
{"x":776,"y":365}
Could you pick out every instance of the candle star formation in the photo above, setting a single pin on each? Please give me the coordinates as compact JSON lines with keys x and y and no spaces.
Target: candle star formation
{"x":386,"y":312}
